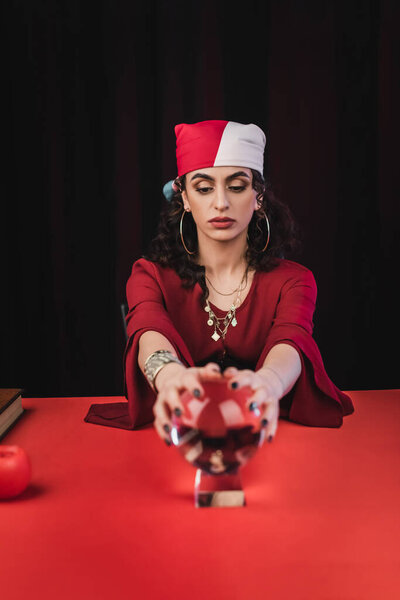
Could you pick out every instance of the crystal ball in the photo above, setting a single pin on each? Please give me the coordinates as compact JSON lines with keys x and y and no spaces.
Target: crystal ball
{"x":218,"y":433}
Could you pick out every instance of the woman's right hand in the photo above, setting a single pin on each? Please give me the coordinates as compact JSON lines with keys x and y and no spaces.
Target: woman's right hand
{"x":170,"y":382}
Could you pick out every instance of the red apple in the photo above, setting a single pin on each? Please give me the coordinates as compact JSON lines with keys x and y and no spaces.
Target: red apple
{"x":15,"y":471}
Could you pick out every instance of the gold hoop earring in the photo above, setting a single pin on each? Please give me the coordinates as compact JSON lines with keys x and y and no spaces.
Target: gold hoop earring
{"x":181,"y":232}
{"x":268,"y":233}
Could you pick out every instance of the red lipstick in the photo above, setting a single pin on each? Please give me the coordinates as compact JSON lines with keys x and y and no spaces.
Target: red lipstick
{"x":221,"y":222}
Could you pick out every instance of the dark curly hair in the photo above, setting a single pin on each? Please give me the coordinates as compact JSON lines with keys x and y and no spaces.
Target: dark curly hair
{"x":167,"y":250}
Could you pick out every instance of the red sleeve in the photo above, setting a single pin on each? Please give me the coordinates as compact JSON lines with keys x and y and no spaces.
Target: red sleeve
{"x":145,"y":294}
{"x":147,"y":312}
{"x":314,"y":399}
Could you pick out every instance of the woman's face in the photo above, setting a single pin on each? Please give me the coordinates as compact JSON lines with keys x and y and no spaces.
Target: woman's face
{"x":222,"y":201}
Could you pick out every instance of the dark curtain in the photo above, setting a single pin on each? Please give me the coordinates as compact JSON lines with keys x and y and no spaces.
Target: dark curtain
{"x":93,"y":91}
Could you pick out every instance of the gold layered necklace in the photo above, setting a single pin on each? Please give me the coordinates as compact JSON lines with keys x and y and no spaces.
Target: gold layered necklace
{"x":221,"y":324}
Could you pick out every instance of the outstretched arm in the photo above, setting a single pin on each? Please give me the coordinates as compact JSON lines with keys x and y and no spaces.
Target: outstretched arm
{"x":284,"y":362}
{"x":276,"y":377}
{"x":171,"y":380}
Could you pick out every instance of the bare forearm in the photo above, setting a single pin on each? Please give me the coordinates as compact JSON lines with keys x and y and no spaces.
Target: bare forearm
{"x":150,"y":342}
{"x":284,"y":364}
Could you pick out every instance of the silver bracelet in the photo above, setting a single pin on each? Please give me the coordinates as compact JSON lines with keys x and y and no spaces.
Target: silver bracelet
{"x":155,"y":362}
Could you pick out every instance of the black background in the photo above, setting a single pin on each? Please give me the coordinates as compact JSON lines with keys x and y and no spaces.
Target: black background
{"x":92,"y":92}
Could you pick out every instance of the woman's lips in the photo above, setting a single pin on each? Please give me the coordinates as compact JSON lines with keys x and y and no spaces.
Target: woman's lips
{"x":221,"y":223}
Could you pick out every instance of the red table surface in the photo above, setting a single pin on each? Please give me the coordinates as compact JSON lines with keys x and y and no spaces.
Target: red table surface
{"x":109,"y":513}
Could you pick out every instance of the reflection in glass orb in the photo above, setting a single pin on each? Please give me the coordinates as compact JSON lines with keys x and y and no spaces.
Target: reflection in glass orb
{"x":218,"y":433}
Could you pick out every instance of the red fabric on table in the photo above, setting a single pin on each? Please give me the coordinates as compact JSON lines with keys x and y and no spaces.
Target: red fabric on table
{"x":278,"y":308}
{"x":110,"y":513}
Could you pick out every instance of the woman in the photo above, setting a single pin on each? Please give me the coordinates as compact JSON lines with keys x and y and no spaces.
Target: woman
{"x":215,"y":299}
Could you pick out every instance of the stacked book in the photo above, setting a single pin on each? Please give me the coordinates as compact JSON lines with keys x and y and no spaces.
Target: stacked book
{"x":10,"y":408}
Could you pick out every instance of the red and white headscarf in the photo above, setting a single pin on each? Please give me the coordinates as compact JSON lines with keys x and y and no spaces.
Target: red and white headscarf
{"x":217,"y":144}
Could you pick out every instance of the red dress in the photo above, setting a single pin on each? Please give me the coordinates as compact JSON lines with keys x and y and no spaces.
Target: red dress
{"x":278,"y":308}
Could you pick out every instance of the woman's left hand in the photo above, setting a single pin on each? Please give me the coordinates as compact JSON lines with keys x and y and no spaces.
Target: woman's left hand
{"x":267,"y":393}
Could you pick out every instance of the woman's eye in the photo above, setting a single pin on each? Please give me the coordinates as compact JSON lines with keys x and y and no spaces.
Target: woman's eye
{"x":233,"y":188}
{"x":203,"y":190}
